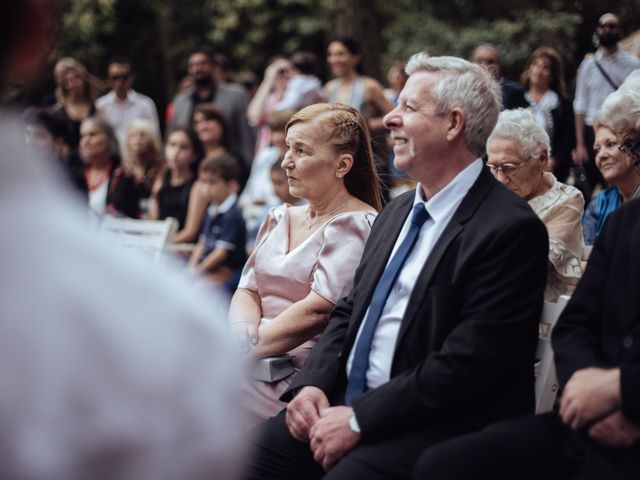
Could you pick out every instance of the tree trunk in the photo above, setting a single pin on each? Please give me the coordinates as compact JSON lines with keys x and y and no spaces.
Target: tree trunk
{"x":358,"y":19}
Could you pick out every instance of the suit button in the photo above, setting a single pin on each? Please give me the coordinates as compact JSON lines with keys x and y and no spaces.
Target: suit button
{"x":627,"y":342}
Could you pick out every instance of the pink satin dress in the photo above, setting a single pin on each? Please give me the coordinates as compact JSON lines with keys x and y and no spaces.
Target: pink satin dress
{"x":325,"y":263}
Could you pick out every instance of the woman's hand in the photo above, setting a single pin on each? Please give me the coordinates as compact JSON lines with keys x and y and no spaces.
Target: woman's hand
{"x":245,"y":334}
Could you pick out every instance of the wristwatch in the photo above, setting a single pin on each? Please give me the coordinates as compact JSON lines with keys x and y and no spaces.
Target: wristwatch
{"x":353,"y":424}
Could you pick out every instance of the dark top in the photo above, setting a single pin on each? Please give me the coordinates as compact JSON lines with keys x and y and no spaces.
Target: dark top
{"x":174,"y":201}
{"x":600,"y":327}
{"x":74,"y":126}
{"x":226,"y":230}
{"x":512,"y":95}
{"x":564,"y":138}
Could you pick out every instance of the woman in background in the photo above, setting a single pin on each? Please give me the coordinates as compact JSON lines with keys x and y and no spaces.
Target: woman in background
{"x":518,"y":150}
{"x":112,"y":190}
{"x":543,"y":81}
{"x":173,"y":194}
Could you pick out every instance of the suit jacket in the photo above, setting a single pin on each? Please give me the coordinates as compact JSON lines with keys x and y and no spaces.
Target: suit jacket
{"x":512,"y":95}
{"x":465,"y":349}
{"x":600,"y":327}
{"x":232,"y":100}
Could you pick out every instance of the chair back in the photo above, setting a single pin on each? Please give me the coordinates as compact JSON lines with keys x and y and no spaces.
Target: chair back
{"x":150,"y":237}
{"x":545,"y":371}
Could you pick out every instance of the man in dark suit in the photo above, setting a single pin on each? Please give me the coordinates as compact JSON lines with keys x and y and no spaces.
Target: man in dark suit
{"x":437,"y":336}
{"x":596,"y":431}
{"x":488,"y":56}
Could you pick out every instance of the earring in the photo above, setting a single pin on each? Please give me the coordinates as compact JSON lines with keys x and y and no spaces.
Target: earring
{"x":339,"y":174}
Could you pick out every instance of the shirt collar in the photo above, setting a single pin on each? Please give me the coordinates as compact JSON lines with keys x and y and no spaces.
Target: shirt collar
{"x":439,"y":205}
{"x":130,"y":98}
{"x":225,"y":206}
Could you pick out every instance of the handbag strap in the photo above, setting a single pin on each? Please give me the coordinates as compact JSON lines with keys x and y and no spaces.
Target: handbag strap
{"x":606,"y":76}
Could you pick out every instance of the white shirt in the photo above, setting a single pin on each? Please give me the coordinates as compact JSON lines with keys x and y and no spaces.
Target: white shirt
{"x":110,"y":366}
{"x":259,"y":192}
{"x":120,"y":113}
{"x":592,"y":87}
{"x":441,"y":208}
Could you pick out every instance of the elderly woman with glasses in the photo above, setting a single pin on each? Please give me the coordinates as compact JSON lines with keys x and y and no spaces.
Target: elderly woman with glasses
{"x":617,"y":153}
{"x":618,"y":169}
{"x":518,"y":150}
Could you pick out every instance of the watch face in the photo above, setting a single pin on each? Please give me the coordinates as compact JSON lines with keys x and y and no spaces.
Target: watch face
{"x":353,"y":424}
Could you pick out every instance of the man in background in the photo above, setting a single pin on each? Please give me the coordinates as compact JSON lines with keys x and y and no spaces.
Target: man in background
{"x":598,"y":76}
{"x":488,"y":56}
{"x":122,"y":105}
{"x":230,"y":98}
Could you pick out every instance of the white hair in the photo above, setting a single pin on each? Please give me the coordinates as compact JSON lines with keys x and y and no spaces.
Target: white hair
{"x":621,"y":109}
{"x":520,"y":126}
{"x":464,"y":85}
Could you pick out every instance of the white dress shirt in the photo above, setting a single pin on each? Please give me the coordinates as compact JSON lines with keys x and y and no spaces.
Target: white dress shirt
{"x":120,"y":113}
{"x":441,"y":208}
{"x":592,"y":87}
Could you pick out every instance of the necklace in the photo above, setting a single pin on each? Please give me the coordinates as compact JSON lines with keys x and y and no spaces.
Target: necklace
{"x":92,"y":185}
{"x":311,"y":223}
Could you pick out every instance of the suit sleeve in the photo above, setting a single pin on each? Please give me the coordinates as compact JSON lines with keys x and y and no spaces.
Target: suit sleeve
{"x":576,"y":338}
{"x":499,"y":300}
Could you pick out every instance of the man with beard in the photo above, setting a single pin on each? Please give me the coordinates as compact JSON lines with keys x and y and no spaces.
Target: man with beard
{"x":231,"y":99}
{"x":598,"y":76}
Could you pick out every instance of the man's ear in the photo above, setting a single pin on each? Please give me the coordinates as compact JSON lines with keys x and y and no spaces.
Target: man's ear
{"x":33,"y":40}
{"x":457,"y":122}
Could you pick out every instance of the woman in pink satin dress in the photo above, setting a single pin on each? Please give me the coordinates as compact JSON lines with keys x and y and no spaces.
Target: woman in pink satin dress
{"x":306,"y":256}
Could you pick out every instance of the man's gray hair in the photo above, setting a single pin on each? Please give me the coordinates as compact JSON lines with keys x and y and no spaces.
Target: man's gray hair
{"x":464,"y":85}
{"x":520,"y":127}
{"x":621,"y":110}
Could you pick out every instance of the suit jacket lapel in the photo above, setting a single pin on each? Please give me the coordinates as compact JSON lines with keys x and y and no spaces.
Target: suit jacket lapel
{"x":469,"y":204}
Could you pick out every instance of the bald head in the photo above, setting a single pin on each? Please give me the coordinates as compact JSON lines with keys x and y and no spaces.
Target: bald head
{"x":488,"y":56}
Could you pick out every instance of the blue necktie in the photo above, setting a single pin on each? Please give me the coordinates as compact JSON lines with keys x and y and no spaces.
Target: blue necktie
{"x":357,"y":382}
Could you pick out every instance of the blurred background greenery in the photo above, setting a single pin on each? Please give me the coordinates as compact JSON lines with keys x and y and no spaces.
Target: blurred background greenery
{"x":157,"y":35}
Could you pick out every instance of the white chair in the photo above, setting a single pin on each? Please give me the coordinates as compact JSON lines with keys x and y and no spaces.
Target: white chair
{"x":545,"y":371}
{"x":150,"y":237}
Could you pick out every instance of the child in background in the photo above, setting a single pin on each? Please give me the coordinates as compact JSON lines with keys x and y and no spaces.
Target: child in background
{"x":281,"y":189}
{"x":173,"y":194}
{"x":220,"y":252}
{"x":258,"y":192}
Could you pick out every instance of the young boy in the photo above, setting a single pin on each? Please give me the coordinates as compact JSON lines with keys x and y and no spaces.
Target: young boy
{"x":220,"y":252}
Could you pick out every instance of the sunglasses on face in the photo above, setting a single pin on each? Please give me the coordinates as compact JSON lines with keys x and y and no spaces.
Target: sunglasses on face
{"x":629,"y":149}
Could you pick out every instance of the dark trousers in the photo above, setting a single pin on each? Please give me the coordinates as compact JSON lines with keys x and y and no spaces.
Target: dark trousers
{"x":528,"y":448}
{"x":277,"y":455}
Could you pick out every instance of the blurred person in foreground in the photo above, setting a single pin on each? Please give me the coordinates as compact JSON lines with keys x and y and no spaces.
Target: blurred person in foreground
{"x":594,"y":432}
{"x":111,"y":368}
{"x":518,"y":150}
{"x":444,"y":308}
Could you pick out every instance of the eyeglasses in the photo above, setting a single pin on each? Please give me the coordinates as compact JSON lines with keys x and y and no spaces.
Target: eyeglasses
{"x":507,"y":169}
{"x":630,"y":149}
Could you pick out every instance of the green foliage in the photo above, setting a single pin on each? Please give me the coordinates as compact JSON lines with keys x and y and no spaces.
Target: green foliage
{"x":515,"y":38}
